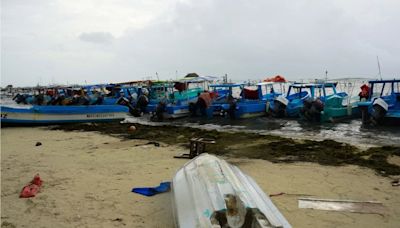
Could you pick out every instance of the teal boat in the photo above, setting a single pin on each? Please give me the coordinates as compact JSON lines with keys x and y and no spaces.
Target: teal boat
{"x":318,"y":102}
{"x":339,"y":107}
{"x":170,"y":100}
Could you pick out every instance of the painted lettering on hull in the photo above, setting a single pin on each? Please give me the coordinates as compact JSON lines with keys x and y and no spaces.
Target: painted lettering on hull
{"x":105,"y":115}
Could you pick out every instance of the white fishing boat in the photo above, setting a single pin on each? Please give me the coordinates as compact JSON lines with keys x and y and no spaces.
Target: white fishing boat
{"x":209,"y":192}
{"x":57,"y":114}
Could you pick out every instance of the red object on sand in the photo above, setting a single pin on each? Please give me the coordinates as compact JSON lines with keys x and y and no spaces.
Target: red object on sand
{"x":277,"y":78}
{"x":32,"y":188}
{"x":37,"y":181}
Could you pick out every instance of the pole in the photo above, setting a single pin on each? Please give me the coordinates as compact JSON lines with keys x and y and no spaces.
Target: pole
{"x":326,"y":76}
{"x":379,"y":67}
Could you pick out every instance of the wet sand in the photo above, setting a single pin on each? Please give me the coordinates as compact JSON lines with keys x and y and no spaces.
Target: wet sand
{"x":88,"y":177}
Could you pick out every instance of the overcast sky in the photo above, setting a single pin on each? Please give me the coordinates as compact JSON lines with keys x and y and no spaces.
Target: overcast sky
{"x":96,"y":41}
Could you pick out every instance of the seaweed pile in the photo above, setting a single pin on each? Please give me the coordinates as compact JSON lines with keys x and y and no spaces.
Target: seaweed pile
{"x":251,"y":145}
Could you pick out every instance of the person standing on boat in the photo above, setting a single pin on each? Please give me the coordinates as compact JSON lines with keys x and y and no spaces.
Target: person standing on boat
{"x":232,"y":106}
{"x":364,"y":94}
{"x":203,"y":102}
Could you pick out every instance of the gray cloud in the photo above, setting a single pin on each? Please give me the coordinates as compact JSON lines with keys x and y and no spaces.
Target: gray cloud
{"x":96,"y":37}
{"x":246,"y":39}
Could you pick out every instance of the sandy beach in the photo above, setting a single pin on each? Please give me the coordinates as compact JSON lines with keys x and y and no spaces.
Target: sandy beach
{"x":88,"y":179}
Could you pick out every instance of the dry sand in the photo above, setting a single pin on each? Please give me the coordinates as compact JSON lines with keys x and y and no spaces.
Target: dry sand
{"x":88,"y":177}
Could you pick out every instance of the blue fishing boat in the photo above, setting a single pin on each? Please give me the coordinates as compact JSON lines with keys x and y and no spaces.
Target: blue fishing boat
{"x":104,"y":94}
{"x":61,"y":96}
{"x":241,"y":100}
{"x":129,"y":92}
{"x":314,"y":102}
{"x":170,"y":100}
{"x":380,"y":104}
{"x":25,"y":115}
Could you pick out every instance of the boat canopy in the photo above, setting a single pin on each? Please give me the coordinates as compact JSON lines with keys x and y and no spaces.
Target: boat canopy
{"x":384,"y":81}
{"x":227,"y":85}
{"x":270,"y":83}
{"x":313,"y":85}
{"x":382,"y":90}
{"x":198,"y":79}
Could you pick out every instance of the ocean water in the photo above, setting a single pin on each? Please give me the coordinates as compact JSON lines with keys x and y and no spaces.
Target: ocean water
{"x":350,"y":131}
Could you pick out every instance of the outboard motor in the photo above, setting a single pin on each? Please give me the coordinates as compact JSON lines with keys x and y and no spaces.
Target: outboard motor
{"x":142,"y":103}
{"x":231,"y":101}
{"x":198,"y":108}
{"x":20,"y":98}
{"x":231,"y":111}
{"x":307,"y":104}
{"x":317,"y":108}
{"x":280,"y":104}
{"x":365,"y":118}
{"x":380,"y":108}
{"x":192,"y":109}
{"x":125,"y":102}
{"x":160,"y":109}
{"x":312,"y":109}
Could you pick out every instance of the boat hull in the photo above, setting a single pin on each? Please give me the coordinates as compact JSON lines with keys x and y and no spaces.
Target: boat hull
{"x":201,"y":190}
{"x":62,"y":114}
{"x":243,"y":109}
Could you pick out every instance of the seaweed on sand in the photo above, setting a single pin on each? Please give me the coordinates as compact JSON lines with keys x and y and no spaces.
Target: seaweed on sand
{"x":250,"y":145}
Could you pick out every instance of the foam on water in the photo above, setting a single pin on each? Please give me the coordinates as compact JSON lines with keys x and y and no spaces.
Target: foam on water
{"x":351,"y":132}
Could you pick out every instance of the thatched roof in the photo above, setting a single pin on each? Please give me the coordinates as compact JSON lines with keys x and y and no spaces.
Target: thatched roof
{"x":191,"y":75}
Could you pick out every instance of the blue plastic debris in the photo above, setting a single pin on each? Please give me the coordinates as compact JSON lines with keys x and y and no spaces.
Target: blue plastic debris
{"x":151,"y":191}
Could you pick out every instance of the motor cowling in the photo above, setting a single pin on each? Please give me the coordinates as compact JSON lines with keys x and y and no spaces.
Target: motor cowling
{"x":380,"y":108}
{"x":125,"y":102}
{"x":280,"y":104}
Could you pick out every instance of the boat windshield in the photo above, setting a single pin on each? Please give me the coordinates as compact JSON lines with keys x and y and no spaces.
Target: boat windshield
{"x":384,"y":88}
{"x":381,"y":90}
{"x":295,"y":92}
{"x":273,"y":88}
